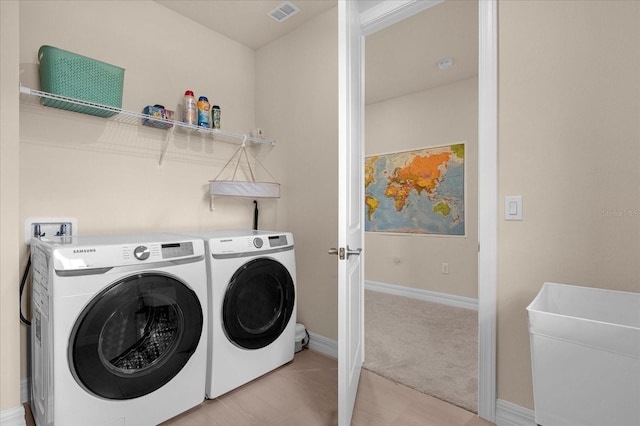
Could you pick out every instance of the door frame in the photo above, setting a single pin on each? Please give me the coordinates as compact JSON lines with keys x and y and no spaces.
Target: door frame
{"x":386,"y":13}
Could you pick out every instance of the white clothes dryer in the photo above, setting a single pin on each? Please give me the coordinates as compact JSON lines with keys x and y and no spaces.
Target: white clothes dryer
{"x":252,"y":300}
{"x":119,"y":326}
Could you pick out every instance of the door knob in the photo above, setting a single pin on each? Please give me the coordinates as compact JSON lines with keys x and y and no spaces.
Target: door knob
{"x":351,"y":251}
{"x":342,"y":253}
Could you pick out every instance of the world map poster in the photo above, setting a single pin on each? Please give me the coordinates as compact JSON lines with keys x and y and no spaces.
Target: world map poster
{"x":416,"y":192}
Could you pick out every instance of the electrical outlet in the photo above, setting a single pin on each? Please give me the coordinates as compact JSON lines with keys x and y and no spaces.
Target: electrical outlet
{"x":49,"y":227}
{"x":445,"y":268}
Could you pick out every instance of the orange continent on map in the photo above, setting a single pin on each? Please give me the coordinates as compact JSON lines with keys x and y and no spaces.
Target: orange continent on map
{"x":423,"y":172}
{"x":399,"y":193}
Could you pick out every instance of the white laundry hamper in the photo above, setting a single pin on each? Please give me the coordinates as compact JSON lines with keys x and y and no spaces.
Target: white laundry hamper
{"x":585,"y":355}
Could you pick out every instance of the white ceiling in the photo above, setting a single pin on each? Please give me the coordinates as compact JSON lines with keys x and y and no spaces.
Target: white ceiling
{"x":246,"y":21}
{"x":400,"y":59}
{"x":403,"y":58}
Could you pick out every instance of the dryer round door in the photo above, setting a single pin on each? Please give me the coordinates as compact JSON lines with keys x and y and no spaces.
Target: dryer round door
{"x":258,"y":303}
{"x":135,"y":336}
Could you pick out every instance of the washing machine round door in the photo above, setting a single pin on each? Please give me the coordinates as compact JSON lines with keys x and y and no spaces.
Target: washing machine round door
{"x":258,"y":303}
{"x":135,"y":336}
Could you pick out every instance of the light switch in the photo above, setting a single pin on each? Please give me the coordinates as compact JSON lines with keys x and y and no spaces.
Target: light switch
{"x":513,"y":207}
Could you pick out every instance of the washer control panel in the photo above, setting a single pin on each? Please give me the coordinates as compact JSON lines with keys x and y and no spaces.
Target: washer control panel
{"x":96,"y":255}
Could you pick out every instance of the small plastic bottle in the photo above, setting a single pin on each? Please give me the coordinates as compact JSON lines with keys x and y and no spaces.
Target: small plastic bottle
{"x":215,"y":116}
{"x":190,"y":108}
{"x":203,"y":111}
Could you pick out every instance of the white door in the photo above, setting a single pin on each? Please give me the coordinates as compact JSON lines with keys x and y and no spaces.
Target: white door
{"x":350,"y":209}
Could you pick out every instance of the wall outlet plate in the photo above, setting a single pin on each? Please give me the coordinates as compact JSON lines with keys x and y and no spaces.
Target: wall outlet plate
{"x":49,"y":227}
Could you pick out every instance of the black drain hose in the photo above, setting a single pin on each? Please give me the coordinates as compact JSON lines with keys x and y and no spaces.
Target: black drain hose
{"x":22,"y":284}
{"x":255,"y":215}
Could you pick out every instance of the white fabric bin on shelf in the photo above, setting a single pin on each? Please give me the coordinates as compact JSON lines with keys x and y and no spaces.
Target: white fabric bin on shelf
{"x":585,"y":355}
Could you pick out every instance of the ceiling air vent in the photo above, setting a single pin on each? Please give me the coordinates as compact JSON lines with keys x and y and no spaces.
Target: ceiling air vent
{"x":285,"y":11}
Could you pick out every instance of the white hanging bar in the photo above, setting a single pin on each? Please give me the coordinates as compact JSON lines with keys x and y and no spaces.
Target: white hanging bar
{"x":235,"y":188}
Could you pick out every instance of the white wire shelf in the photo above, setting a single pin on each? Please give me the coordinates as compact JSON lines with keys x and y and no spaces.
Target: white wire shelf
{"x":136,"y":118}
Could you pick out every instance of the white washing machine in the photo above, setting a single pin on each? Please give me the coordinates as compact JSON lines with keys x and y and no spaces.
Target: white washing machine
{"x":119,"y":326}
{"x":252,"y":300}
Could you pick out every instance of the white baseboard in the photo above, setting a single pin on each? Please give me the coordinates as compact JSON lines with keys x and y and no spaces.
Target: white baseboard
{"x":509,"y":414}
{"x":427,"y":295}
{"x":323,"y":345}
{"x":13,"y":417}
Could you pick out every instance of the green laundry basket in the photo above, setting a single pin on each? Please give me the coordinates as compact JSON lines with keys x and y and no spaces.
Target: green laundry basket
{"x":78,"y":77}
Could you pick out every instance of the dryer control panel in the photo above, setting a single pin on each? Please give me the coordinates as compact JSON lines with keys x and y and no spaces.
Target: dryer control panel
{"x":271,"y":241}
{"x":250,"y":244}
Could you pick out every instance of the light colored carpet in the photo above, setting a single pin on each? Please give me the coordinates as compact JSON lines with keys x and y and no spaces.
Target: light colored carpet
{"x":430,"y":347}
